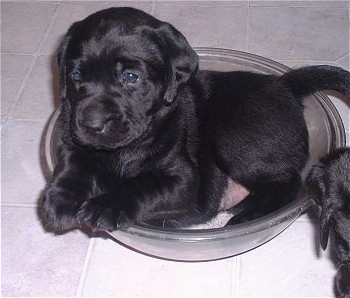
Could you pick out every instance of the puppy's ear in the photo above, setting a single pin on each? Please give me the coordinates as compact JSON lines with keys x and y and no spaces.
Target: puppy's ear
{"x":61,"y":60}
{"x":181,"y":60}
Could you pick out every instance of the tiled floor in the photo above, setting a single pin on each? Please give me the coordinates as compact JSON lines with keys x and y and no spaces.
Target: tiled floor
{"x":38,"y":263}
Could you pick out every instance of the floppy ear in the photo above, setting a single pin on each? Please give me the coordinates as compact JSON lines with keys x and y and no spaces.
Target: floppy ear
{"x":181,"y":59}
{"x":61,"y":60}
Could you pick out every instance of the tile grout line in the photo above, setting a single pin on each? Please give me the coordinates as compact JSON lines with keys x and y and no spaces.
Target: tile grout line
{"x":16,"y":205}
{"x":31,"y":65}
{"x":84,"y":271}
{"x":342,"y":57}
{"x":20,"y":90}
{"x":154,"y":3}
{"x":298,"y":5}
{"x":247,"y":27}
{"x":17,"y":54}
{"x":28,"y":119}
{"x":237,"y":276}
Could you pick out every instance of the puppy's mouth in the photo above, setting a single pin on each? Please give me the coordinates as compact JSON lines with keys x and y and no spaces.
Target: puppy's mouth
{"x":108,"y":134}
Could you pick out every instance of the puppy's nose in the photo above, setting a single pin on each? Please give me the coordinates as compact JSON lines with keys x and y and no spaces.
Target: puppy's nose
{"x":93,"y":126}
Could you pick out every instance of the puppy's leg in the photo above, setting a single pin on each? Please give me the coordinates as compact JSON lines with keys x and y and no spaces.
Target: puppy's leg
{"x":218,"y":193}
{"x":103,"y":212}
{"x":329,"y":188}
{"x":71,"y":185}
{"x":145,"y":197}
{"x":266,"y":199}
{"x":342,"y":248}
{"x":342,"y":279}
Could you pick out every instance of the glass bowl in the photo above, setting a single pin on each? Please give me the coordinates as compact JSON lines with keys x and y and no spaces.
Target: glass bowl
{"x":326,"y":132}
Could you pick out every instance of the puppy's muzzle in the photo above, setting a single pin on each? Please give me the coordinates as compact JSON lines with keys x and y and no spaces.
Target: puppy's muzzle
{"x":101,"y":130}
{"x":96,"y":126}
{"x":99,"y":121}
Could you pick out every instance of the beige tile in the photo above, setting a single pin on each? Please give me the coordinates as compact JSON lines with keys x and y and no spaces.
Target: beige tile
{"x":40,"y":95}
{"x":289,"y":33}
{"x":35,"y":262}
{"x":118,"y":271}
{"x":13,"y":71}
{"x":22,"y":174}
{"x":23,"y":25}
{"x":207,"y":3}
{"x":301,"y":3}
{"x":207,"y":26}
{"x":73,"y":11}
{"x":289,"y":265}
{"x":345,"y":62}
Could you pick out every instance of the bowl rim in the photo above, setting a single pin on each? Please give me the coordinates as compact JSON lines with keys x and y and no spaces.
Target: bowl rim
{"x":290,"y":211}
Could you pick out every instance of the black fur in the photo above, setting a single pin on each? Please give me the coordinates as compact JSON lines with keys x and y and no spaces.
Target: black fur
{"x":162,"y":149}
{"x":329,"y":186}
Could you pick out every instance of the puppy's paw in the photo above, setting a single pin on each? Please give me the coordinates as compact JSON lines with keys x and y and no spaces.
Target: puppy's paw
{"x":102,"y":214}
{"x":59,"y":211}
{"x":342,"y":279}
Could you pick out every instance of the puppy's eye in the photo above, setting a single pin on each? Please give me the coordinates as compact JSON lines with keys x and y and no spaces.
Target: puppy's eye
{"x":130,"y":78}
{"x":76,"y":76}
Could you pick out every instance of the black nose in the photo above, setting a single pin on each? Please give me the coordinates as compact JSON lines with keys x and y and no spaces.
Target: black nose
{"x":93,"y":126}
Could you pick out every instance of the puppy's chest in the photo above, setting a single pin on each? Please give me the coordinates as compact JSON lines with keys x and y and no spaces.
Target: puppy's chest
{"x":127,"y":165}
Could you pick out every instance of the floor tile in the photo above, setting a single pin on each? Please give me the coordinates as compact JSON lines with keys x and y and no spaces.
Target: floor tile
{"x":291,"y":264}
{"x":20,"y":38}
{"x":291,"y":34}
{"x":118,"y":271}
{"x":13,"y":71}
{"x":344,"y":61}
{"x":300,"y":3}
{"x":35,"y":262}
{"x":73,"y":11}
{"x":22,"y":173}
{"x":40,"y":95}
{"x":201,"y":25}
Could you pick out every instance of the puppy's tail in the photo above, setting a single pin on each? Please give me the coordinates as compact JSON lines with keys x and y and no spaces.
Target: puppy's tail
{"x":307,"y":80}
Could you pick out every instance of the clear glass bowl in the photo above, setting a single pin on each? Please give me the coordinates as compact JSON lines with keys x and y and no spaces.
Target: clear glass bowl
{"x":326,"y":133}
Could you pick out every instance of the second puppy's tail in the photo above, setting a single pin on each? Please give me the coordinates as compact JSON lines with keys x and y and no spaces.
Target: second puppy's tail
{"x":307,"y":80}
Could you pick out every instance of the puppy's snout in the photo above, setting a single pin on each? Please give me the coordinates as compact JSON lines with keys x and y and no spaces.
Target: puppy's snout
{"x":98,"y":118}
{"x":94,"y":126}
{"x":101,"y":122}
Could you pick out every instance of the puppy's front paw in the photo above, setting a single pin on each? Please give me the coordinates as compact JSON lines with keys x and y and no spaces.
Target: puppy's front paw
{"x":59,"y":211}
{"x":101,"y":213}
{"x":342,"y":279}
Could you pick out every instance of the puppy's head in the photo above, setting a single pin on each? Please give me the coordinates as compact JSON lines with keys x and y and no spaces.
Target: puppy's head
{"x":120,"y":70}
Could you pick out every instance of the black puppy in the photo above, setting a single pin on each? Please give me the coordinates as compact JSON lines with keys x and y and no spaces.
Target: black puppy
{"x":148,"y":138}
{"x":329,"y":187}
